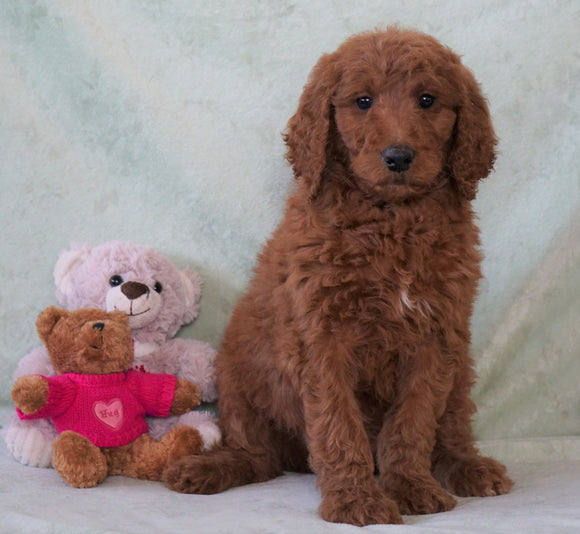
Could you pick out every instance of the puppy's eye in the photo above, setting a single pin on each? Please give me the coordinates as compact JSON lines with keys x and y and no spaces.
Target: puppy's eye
{"x":115,"y":280}
{"x":426,"y":101}
{"x":158,"y":287}
{"x":364,"y":103}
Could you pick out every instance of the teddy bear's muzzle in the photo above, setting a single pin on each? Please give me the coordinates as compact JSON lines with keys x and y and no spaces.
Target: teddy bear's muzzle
{"x":97,"y":336}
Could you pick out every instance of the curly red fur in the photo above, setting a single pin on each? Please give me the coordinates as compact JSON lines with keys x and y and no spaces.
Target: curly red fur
{"x":349,"y":352}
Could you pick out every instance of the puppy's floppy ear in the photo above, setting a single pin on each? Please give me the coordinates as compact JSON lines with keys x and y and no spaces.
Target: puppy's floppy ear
{"x":308,"y":131}
{"x":473,"y":152}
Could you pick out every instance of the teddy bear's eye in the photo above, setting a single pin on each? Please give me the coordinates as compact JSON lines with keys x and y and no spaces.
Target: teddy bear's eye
{"x":115,"y":280}
{"x":158,"y":287}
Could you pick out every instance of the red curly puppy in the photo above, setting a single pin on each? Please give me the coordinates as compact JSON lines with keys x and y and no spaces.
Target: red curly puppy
{"x":350,"y":350}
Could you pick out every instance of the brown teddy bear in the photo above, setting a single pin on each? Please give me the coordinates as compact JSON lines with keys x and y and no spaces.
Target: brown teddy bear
{"x":98,"y":404}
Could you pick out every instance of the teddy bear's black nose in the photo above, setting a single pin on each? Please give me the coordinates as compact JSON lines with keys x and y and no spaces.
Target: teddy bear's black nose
{"x":99,"y":326}
{"x":133,"y":290}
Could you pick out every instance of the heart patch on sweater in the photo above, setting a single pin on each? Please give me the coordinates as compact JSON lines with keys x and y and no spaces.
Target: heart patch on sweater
{"x":110,"y":413}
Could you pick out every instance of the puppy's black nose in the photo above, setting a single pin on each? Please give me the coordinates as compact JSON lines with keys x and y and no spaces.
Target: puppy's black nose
{"x":99,"y":326}
{"x":398,"y":158}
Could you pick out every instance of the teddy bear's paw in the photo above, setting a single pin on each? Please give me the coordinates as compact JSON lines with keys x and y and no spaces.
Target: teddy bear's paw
{"x":202,"y":420}
{"x":210,"y":434}
{"x":30,"y":443}
{"x":186,"y":397}
{"x":29,"y":394}
{"x":80,"y":463}
{"x":182,"y":441}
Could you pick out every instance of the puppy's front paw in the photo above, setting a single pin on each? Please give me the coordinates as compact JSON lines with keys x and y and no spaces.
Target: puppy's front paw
{"x":418,"y":496}
{"x":360,"y":507}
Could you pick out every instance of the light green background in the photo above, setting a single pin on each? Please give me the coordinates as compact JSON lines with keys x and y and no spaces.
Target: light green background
{"x":160,"y":121}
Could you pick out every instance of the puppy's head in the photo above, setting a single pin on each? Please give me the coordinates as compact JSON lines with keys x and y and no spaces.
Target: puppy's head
{"x":399,"y":112}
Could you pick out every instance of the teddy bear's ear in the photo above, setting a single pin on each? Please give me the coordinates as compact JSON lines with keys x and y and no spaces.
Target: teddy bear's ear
{"x":47,"y":320}
{"x":192,"y":285}
{"x":66,"y":264}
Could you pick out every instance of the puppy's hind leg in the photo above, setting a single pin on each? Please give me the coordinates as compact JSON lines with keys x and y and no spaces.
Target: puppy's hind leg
{"x":248,"y":455}
{"x":456,"y":461}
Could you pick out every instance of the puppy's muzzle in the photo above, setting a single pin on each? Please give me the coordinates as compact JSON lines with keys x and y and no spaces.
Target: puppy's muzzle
{"x":398,"y":158}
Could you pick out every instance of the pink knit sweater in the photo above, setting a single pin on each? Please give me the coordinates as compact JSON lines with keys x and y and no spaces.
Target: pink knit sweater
{"x":109,"y":409}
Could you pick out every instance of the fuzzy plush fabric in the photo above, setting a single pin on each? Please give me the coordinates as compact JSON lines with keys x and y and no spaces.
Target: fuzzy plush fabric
{"x":160,"y":123}
{"x":98,"y":403}
{"x":70,"y":394}
{"x":158,"y":298}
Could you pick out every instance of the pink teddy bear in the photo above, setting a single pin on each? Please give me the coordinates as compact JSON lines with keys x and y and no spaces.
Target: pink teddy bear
{"x":159,"y":299}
